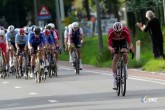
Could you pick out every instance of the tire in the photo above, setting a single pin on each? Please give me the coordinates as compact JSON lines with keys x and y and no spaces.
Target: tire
{"x":123,"y":82}
{"x":77,"y":67}
{"x":118,"y":87}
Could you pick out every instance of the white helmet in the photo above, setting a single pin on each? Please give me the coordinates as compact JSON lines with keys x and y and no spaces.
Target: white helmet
{"x":70,"y":26}
{"x":26,"y":29}
{"x":11,"y":28}
{"x":51,"y":25}
{"x":75,"y":24}
{"x":2,"y":32}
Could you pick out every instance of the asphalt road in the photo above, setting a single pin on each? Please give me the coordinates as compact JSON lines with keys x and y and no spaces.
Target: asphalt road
{"x":91,"y":90}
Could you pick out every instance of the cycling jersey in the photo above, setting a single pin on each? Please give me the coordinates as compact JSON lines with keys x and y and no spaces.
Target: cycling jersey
{"x":35,"y":42}
{"x":40,"y":40}
{"x":125,"y":35}
{"x":21,"y":40}
{"x":11,"y":37}
{"x":55,"y":38}
{"x":3,"y":46}
{"x":75,"y":35}
{"x":57,"y":33}
{"x":50,"y":39}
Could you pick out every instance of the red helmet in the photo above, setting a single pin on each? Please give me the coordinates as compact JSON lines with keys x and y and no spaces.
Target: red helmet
{"x":21,"y":31}
{"x":117,"y":27}
{"x":47,"y":32}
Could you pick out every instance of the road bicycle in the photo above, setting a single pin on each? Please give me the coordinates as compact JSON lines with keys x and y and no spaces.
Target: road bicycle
{"x":76,"y":60}
{"x":121,"y":74}
{"x":39,"y":74}
{"x":52,"y":64}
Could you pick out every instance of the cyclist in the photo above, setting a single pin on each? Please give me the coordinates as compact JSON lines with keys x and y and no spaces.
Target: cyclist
{"x":21,"y":43}
{"x":36,"y":41}
{"x":10,"y":41}
{"x":66,"y":36}
{"x":50,"y":43}
{"x":76,"y":38}
{"x":56,"y":38}
{"x":119,"y":36}
{"x":3,"y":47}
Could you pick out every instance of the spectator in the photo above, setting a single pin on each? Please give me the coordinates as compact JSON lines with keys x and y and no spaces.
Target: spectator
{"x":153,"y":26}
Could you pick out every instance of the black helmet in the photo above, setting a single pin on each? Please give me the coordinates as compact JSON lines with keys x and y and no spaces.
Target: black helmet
{"x":37,"y":30}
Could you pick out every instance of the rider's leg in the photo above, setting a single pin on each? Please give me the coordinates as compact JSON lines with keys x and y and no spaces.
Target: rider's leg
{"x":114,"y":69}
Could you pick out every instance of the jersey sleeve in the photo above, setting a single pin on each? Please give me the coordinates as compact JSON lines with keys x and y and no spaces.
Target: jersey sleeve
{"x":16,"y":38}
{"x":30,"y":38}
{"x":65,"y":34}
{"x":110,"y":36}
{"x":7,"y":37}
{"x":81,"y":31}
{"x":26,"y":40}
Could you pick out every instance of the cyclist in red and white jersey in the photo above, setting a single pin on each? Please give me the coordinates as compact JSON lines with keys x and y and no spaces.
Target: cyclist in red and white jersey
{"x":119,"y":37}
{"x":3,"y":47}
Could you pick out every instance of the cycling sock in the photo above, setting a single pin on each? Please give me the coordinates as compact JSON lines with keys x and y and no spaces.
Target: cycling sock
{"x":114,"y":76}
{"x":20,"y":67}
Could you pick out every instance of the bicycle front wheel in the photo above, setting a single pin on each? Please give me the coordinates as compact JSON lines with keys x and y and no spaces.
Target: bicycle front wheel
{"x":123,"y":81}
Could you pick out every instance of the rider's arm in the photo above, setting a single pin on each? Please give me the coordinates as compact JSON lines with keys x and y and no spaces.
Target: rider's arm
{"x":70,"y":36}
{"x":16,"y":41}
{"x":30,"y":42}
{"x":7,"y":40}
{"x":81,"y":35}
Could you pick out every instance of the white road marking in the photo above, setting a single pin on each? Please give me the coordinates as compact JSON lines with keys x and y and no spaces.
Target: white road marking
{"x":17,"y":87}
{"x":130,"y":77}
{"x":5,"y":82}
{"x":33,"y":93}
{"x":52,"y":101}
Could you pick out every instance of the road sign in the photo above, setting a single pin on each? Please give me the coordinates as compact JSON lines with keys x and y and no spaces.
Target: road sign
{"x":44,"y":13}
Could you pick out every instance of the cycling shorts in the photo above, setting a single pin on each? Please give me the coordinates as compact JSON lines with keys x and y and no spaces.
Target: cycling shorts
{"x":116,"y":44}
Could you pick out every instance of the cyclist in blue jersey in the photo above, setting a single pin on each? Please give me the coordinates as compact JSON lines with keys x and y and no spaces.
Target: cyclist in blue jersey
{"x":50,"y":44}
{"x":36,"y":42}
{"x":10,"y":41}
{"x":56,"y":40}
{"x":21,"y":43}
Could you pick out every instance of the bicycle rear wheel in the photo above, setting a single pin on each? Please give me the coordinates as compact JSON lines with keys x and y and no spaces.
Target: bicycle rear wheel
{"x":123,"y":81}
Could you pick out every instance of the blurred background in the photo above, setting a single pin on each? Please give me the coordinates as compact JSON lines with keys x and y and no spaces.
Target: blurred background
{"x":40,"y":12}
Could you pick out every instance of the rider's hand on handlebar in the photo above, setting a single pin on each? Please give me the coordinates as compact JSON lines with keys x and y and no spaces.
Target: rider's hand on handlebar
{"x":112,"y":50}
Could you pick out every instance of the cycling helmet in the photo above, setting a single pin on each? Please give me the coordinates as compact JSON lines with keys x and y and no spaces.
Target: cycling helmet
{"x":2,"y":28}
{"x":21,"y":31}
{"x":32,"y":27}
{"x":26,"y":29}
{"x":70,"y":26}
{"x":47,"y":32}
{"x":75,"y":24}
{"x":11,"y":28}
{"x":2,"y":32}
{"x":37,"y":30}
{"x":48,"y":27}
{"x":51,"y":25}
{"x":117,"y":27}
